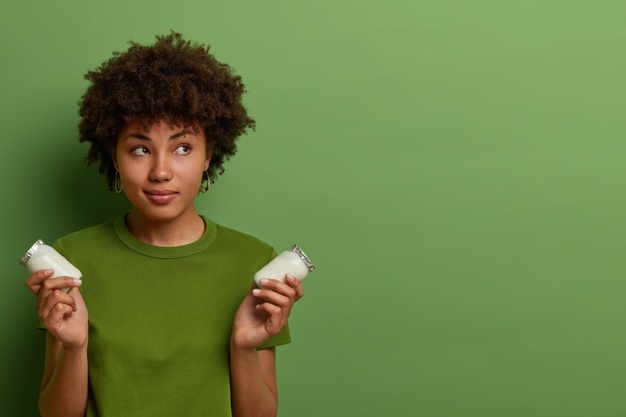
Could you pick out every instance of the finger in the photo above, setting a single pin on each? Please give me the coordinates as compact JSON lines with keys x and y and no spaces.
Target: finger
{"x":48,"y":286}
{"x":274,"y":297}
{"x":278,"y":287}
{"x":276,"y":318}
{"x":54,"y":299}
{"x":78,"y":297}
{"x":56,"y":315}
{"x":33,"y":282}
{"x":294,"y":283}
{"x":55,"y":283}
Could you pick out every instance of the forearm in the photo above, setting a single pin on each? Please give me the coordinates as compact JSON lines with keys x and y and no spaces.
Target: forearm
{"x":250,"y":393}
{"x":65,"y":393}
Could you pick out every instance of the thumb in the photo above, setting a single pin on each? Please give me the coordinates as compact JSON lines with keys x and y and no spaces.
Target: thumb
{"x":78,"y":297}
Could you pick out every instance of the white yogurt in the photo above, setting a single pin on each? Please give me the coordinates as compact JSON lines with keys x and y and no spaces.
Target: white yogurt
{"x":292,"y":261}
{"x":42,"y":256}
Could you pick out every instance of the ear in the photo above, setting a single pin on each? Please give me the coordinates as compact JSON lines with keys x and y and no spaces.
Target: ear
{"x":207,"y":162}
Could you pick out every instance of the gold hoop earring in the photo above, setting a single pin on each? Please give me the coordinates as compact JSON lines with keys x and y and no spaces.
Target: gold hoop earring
{"x":117,"y":183}
{"x":205,"y":178}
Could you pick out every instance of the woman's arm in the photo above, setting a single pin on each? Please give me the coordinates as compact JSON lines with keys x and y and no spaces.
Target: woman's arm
{"x":253,"y":382}
{"x":262,"y":314}
{"x":64,"y":385}
{"x":64,"y":315}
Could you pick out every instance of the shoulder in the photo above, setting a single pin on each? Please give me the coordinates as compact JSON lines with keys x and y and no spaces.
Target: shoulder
{"x":85,"y":237}
{"x":243,"y":243}
{"x":98,"y":230}
{"x":240,"y":237}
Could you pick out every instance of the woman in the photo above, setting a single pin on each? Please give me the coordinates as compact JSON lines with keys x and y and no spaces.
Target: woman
{"x":165,"y":320}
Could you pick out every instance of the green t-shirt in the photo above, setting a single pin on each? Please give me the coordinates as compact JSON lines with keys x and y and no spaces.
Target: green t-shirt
{"x":160,"y":318}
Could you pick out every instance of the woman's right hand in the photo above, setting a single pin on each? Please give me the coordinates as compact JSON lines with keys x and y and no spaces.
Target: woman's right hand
{"x":63,"y":314}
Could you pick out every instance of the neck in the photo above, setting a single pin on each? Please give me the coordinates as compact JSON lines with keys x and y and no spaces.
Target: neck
{"x":175,"y":232}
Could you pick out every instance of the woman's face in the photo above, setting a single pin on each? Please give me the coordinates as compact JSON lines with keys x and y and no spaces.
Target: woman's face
{"x":161,"y":169}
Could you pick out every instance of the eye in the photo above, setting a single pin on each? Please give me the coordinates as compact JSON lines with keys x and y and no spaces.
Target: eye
{"x":183,"y":149}
{"x":140,"y":150}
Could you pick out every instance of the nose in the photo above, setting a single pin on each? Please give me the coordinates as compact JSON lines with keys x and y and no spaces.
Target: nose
{"x":160,"y":170}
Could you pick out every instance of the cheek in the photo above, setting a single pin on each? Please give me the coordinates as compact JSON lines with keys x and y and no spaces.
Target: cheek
{"x":129,"y":174}
{"x":193,"y":177}
{"x":190,"y":170}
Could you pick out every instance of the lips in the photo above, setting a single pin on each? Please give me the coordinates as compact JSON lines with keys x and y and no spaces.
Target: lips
{"x":161,"y":196}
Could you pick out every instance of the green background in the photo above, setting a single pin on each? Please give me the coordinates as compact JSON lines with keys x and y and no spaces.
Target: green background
{"x":454,"y":168}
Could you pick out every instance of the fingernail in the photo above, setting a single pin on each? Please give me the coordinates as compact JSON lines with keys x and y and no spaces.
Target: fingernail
{"x":48,"y":271}
{"x":256,"y":291}
{"x":290,"y":277}
{"x":265,"y":281}
{"x":77,"y":281}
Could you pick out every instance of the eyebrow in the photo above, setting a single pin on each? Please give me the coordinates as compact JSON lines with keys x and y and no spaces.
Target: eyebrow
{"x":141,"y":136}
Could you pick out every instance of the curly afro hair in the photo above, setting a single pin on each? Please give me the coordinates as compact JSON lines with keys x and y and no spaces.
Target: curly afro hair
{"x":173,"y":80}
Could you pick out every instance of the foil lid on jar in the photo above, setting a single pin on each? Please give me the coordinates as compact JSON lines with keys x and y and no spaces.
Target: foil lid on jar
{"x":31,"y":252}
{"x":303,"y":256}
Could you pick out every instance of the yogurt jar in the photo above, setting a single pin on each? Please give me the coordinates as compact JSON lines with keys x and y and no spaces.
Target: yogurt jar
{"x":293,"y":261}
{"x":42,"y":256}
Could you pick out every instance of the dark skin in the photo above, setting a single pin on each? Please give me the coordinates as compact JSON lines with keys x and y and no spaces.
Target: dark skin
{"x":163,"y":157}
{"x":172,"y":80}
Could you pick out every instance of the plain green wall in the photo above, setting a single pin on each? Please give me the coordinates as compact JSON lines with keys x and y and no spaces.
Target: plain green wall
{"x":455,"y":168}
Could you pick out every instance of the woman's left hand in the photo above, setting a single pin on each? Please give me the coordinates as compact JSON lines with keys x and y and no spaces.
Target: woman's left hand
{"x":264,"y":311}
